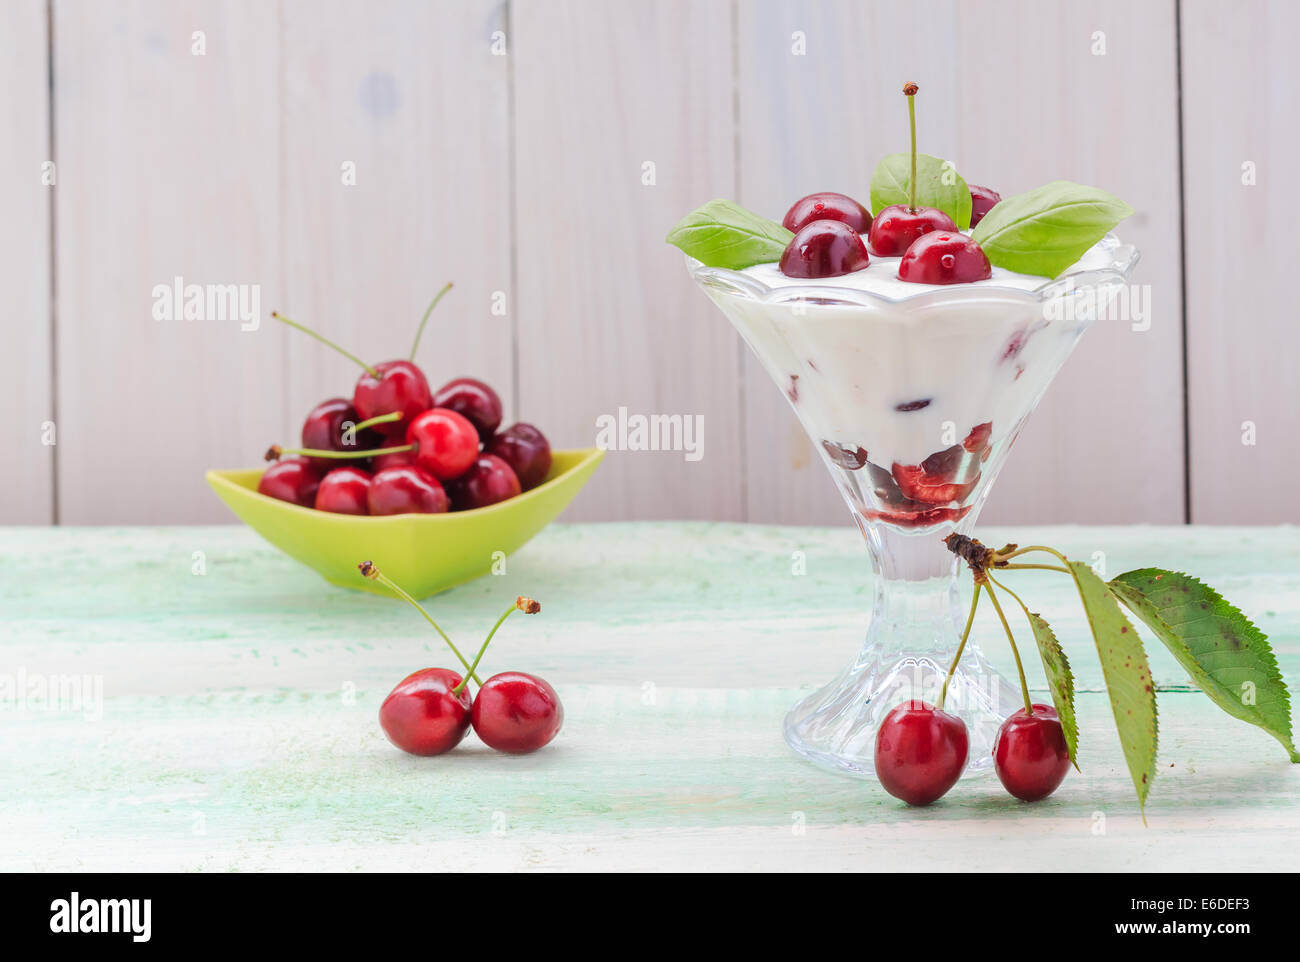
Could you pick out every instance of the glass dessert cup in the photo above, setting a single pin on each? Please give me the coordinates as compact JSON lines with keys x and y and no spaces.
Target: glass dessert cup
{"x":913,"y":403}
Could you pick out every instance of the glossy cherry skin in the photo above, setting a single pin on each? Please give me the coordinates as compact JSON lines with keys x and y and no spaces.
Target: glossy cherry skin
{"x":944,"y":257}
{"x":292,"y":479}
{"x":824,"y":248}
{"x":526,"y":450}
{"x":400,"y":387}
{"x":344,"y":491}
{"x":1030,"y":753}
{"x":447,"y":443}
{"x":896,"y":227}
{"x":406,"y":490}
{"x":920,"y":752}
{"x":324,"y":430}
{"x":517,"y":713}
{"x":398,"y":459}
{"x":827,"y":205}
{"x":422,"y":716}
{"x":489,"y":480}
{"x":475,"y":400}
{"x":982,"y":200}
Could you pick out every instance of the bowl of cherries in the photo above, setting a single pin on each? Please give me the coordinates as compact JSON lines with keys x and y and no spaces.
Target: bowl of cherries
{"x":431,"y":482}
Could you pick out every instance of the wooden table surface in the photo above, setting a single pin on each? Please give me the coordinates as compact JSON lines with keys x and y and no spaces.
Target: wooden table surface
{"x":237,"y":727}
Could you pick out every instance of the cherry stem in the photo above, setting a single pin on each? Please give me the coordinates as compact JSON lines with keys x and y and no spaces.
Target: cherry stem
{"x":526,"y":605}
{"x":327,"y":342}
{"x":419,"y":331}
{"x":1020,"y":668}
{"x":970,"y":620}
{"x":388,"y":418}
{"x":275,"y":451}
{"x":1033,"y":568}
{"x":374,"y":574}
{"x":1035,"y":547}
{"x":910,"y":89}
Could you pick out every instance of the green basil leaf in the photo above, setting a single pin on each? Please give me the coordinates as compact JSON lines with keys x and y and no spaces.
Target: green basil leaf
{"x":1223,"y":652}
{"x":1045,"y":230}
{"x":723,"y":234}
{"x":937,"y":185}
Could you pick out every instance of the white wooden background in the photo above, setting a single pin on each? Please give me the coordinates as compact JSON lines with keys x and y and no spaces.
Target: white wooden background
{"x":520,"y":176}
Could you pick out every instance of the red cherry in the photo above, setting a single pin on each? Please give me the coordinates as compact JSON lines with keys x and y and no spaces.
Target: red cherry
{"x":978,"y":439}
{"x":293,"y":479}
{"x":918,"y":485}
{"x":400,"y":386}
{"x":447,"y":443}
{"x":827,"y":205}
{"x":422,"y":716}
{"x":848,"y":457}
{"x":944,"y":258}
{"x":824,"y":248}
{"x":526,"y":450}
{"x":982,"y":200}
{"x":324,"y":430}
{"x":920,"y":752}
{"x":897,"y":226}
{"x":1030,"y":753}
{"x":344,"y":491}
{"x":399,"y":459}
{"x":406,"y":490}
{"x":489,"y":480}
{"x":517,"y":713}
{"x":475,"y":400}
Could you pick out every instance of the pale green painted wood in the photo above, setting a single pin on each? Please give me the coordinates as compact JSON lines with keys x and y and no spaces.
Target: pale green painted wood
{"x":239,"y":732}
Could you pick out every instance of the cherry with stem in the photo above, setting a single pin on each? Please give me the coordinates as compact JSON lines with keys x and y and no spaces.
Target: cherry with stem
{"x":369,"y":570}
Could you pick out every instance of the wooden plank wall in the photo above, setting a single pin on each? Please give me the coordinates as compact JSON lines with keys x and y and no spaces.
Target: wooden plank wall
{"x":348,"y":158}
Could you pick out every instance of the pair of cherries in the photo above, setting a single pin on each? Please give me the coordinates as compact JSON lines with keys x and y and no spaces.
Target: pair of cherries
{"x":430,"y":711}
{"x":829,"y":230}
{"x":416,"y":451}
{"x":921,"y":752}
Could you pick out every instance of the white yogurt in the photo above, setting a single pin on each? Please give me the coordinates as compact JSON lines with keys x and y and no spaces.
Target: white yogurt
{"x":904,"y":371}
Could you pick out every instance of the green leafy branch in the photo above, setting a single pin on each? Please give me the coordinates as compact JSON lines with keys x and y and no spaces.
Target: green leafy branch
{"x":1223,"y":652}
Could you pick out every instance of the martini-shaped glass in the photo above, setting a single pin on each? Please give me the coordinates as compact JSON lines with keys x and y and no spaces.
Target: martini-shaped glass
{"x":913,"y":395}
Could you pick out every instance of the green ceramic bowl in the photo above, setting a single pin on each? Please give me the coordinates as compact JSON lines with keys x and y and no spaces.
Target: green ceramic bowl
{"x":424,"y":553}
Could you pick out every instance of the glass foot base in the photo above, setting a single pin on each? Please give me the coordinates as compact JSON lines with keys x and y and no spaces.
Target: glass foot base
{"x":835,"y":727}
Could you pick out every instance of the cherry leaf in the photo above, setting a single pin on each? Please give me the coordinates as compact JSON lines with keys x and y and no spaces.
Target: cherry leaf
{"x":1128,"y":677}
{"x":1223,"y":652}
{"x":724,"y":234}
{"x":1059,"y":679}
